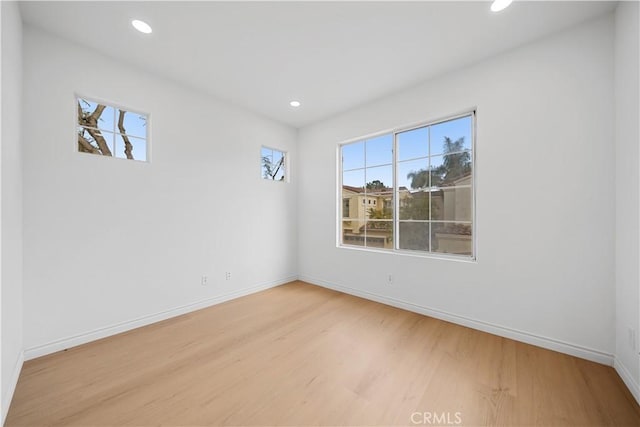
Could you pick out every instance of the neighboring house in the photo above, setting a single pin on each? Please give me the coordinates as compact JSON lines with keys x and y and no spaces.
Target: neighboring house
{"x":356,"y":212}
{"x":367,"y":215}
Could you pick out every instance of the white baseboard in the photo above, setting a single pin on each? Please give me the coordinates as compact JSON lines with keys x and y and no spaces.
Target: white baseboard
{"x":628,"y":379}
{"x":65,"y":343}
{"x":522,"y":336}
{"x":13,"y":382}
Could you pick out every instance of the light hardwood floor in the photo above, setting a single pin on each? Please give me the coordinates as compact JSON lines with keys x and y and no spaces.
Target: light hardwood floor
{"x":303,"y":355}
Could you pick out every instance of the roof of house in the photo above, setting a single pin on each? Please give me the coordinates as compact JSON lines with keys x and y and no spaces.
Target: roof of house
{"x":386,"y":190}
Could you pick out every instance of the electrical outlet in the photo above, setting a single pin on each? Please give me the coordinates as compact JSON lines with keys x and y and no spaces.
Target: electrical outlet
{"x":204,"y":280}
{"x":228,"y":275}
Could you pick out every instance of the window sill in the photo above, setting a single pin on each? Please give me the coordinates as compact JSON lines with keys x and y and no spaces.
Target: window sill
{"x":414,"y":254}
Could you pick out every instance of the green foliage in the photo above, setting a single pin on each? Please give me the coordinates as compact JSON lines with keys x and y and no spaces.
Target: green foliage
{"x":455,"y":165}
{"x":419,"y":179}
{"x":376,"y":185}
{"x":386,"y":213}
{"x":415,"y":206}
{"x":375,"y":214}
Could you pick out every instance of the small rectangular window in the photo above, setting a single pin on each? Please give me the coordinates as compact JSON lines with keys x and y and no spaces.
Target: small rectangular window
{"x":107,"y":130}
{"x":416,"y":188}
{"x":274,"y":164}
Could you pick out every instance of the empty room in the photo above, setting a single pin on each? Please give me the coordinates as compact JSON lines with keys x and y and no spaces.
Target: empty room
{"x":322,"y":213}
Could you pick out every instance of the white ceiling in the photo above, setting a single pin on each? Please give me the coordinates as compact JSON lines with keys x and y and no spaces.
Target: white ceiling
{"x":332,"y":56}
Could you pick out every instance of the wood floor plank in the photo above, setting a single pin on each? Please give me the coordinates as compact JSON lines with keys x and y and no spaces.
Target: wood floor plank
{"x":303,"y":355}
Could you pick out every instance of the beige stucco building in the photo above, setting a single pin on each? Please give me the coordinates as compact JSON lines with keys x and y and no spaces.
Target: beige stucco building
{"x":367,"y":216}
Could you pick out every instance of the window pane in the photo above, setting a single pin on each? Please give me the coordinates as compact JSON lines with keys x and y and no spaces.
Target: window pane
{"x":379,"y":206}
{"x":379,"y":179}
{"x":354,"y":206}
{"x":451,"y":204}
{"x":452,"y":238}
{"x":277,"y":156}
{"x":138,"y":148}
{"x":413,"y":143}
{"x":353,"y":233}
{"x":379,"y":234}
{"x":104,"y":119}
{"x":86,"y":142}
{"x":135,"y":124}
{"x":413,"y":174}
{"x":105,"y":122}
{"x":353,"y":180}
{"x":280,"y":173}
{"x":379,"y":150}
{"x":414,"y":205}
{"x":403,"y":200}
{"x":353,"y":156}
{"x":96,"y":139}
{"x":279,"y":165}
{"x":110,"y":139}
{"x":348,"y":207}
{"x":451,"y":170}
{"x":266,"y":161}
{"x":451,"y":136}
{"x":414,"y":236}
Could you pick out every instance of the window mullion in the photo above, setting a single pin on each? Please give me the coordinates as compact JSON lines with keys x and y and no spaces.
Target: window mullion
{"x":366,"y":221}
{"x":430,"y":184}
{"x":115,"y":130}
{"x":396,"y":196}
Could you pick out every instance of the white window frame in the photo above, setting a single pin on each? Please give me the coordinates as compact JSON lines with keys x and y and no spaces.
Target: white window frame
{"x":472,"y":112}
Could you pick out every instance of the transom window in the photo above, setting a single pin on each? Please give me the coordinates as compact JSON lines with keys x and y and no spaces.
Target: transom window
{"x":411,"y":190}
{"x":274,"y":164}
{"x":111,"y":131}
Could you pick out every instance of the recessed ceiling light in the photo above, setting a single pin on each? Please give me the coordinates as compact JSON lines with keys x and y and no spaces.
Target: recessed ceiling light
{"x":141,"y":26}
{"x":295,"y":103}
{"x":499,"y":5}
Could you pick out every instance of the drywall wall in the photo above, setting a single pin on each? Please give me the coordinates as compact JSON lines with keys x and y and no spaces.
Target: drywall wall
{"x":627,"y":90}
{"x":11,"y":191}
{"x":545,"y":197}
{"x":110,"y":244}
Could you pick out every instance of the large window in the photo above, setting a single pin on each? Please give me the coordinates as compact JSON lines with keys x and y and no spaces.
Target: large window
{"x":411,"y":190}
{"x":111,"y":131}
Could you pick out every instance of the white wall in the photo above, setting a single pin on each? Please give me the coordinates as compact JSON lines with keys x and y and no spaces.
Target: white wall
{"x":108,"y":241}
{"x":545,"y":197}
{"x":627,"y":111}
{"x":11,"y":201}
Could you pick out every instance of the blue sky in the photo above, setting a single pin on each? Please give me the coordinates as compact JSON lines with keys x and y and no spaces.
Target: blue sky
{"x":413,"y":152}
{"x":379,"y":151}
